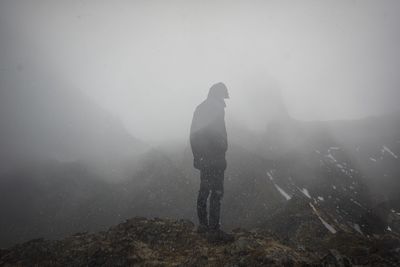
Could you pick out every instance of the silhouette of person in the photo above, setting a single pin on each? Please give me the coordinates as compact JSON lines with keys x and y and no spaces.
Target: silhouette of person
{"x":208,"y":139}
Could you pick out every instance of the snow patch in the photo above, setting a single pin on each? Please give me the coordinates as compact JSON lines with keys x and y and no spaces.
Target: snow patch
{"x":334,"y":187}
{"x":392,"y":210}
{"x":372,"y":159}
{"x":388,"y":228}
{"x":283,"y":193}
{"x":270,"y":176}
{"x":357,"y":228}
{"x":357,"y":203}
{"x":331,"y":157}
{"x":321,"y":198}
{"x":305,"y":192}
{"x":327,"y":225}
{"x":385,"y":148}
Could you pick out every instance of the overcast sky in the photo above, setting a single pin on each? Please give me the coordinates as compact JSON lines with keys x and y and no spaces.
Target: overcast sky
{"x":151,"y":62}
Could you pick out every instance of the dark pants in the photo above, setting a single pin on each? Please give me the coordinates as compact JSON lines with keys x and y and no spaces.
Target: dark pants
{"x":212,"y":180}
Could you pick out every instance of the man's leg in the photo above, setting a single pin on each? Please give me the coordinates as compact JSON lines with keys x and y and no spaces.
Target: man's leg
{"x":217,"y":192}
{"x":202,"y":198}
{"x":215,"y":234}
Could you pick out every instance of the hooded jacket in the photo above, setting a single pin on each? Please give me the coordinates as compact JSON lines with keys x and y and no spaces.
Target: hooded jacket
{"x":208,"y":137}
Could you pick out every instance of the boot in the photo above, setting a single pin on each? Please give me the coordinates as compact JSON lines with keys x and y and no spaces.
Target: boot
{"x":219,"y":236}
{"x":202,"y":229}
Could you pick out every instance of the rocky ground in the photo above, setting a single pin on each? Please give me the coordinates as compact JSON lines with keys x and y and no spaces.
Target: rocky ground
{"x":165,"y":242}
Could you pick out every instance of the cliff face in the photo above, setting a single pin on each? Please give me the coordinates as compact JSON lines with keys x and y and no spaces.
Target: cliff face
{"x":165,"y":242}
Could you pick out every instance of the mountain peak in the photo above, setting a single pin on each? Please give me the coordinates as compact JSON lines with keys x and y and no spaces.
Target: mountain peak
{"x":152,"y":242}
{"x":166,"y":242}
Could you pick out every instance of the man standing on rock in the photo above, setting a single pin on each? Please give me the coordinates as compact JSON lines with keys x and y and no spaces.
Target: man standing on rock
{"x":208,"y":139}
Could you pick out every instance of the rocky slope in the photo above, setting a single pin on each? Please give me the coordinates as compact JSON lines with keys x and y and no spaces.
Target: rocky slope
{"x":165,"y":242}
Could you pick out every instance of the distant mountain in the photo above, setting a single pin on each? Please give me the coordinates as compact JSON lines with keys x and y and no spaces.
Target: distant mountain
{"x":43,"y":118}
{"x":368,"y":146}
{"x":57,"y":150}
{"x":346,"y":169}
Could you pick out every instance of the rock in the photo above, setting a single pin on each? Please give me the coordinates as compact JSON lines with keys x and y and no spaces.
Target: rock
{"x":165,"y":242}
{"x":334,"y":258}
{"x":244,"y":244}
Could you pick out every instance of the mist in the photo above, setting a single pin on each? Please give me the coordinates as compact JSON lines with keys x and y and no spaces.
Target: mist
{"x":150,"y":63}
{"x":98,"y":100}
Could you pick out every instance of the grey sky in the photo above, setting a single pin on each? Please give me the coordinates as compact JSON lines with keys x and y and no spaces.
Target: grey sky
{"x":151,"y":62}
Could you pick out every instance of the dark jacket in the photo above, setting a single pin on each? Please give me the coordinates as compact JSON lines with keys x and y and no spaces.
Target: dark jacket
{"x":208,"y":137}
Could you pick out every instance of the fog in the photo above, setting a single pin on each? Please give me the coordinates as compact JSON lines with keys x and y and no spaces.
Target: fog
{"x":97,"y":100}
{"x":151,"y":62}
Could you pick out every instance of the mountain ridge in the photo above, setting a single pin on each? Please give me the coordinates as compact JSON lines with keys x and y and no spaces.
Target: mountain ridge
{"x":165,"y":242}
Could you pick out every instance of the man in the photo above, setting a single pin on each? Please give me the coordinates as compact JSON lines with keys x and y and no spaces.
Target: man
{"x":209,"y":144}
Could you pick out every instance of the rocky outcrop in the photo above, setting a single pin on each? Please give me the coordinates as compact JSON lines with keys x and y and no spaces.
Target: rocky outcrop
{"x":165,"y":242}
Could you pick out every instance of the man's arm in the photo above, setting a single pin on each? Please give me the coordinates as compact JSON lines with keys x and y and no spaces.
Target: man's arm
{"x":195,"y":141}
{"x":223,"y":138}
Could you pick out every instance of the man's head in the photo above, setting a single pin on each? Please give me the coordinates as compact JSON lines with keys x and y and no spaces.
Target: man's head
{"x":218,"y":91}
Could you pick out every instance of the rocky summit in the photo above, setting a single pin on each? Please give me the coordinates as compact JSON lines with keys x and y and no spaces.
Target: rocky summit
{"x":167,"y":242}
